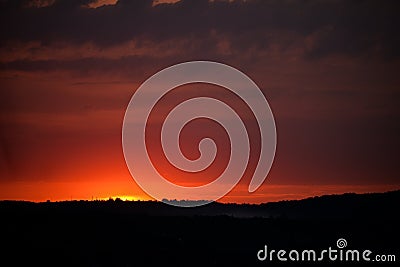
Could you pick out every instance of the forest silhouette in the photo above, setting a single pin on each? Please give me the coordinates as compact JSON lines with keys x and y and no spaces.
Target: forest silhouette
{"x":136,"y":233}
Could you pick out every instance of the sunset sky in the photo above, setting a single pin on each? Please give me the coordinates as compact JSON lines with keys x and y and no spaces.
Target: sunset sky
{"x":68,"y":69}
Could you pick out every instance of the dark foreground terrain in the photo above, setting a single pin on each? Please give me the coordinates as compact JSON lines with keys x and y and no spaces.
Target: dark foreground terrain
{"x":117,"y":233}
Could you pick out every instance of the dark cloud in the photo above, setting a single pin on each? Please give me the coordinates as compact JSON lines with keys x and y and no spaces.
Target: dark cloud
{"x":84,"y":65}
{"x":344,"y":27}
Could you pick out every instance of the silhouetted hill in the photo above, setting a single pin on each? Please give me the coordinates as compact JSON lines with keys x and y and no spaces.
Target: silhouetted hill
{"x":118,"y":233}
{"x":349,"y":205}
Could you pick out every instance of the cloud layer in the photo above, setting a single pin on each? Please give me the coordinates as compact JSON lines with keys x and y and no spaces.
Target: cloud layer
{"x":328,"y":68}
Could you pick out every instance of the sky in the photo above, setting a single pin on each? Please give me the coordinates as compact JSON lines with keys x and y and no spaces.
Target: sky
{"x":68,"y":69}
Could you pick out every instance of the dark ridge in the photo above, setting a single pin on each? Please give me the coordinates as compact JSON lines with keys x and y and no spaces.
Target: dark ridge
{"x":348,"y":205}
{"x":150,"y":233}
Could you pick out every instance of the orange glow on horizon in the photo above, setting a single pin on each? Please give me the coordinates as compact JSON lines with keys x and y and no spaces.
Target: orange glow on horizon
{"x":127,"y":190}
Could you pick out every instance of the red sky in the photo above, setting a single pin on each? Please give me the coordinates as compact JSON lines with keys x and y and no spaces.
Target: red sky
{"x":69,"y":68}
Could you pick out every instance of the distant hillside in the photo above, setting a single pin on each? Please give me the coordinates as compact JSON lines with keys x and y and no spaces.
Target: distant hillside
{"x":118,"y":233}
{"x":349,"y":205}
